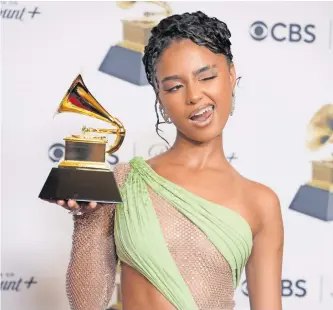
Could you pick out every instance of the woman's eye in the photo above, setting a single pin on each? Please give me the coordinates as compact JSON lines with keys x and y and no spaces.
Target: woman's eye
{"x":209,"y":78}
{"x":173,"y":88}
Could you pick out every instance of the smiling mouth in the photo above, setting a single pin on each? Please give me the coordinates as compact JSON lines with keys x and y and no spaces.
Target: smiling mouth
{"x":202,"y":114}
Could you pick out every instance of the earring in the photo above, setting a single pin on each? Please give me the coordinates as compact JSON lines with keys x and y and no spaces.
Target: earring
{"x":165,"y":115}
{"x":232,"y":104}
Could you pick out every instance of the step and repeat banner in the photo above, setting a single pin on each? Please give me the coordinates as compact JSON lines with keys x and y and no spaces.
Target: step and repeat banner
{"x":282,"y":51}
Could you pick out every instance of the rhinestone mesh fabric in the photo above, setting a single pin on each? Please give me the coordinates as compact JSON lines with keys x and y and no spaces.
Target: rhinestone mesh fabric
{"x":90,"y":279}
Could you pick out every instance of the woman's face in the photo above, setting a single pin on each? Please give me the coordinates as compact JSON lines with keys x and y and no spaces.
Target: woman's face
{"x":195,"y":89}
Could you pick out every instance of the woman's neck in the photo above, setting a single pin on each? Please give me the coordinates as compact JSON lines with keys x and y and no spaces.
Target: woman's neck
{"x":198,"y":155}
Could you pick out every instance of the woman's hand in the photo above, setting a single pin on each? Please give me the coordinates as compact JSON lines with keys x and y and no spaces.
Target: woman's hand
{"x":76,"y":208}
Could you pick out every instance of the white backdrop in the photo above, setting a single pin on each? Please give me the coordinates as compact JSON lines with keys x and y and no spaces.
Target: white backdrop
{"x":283,"y":84}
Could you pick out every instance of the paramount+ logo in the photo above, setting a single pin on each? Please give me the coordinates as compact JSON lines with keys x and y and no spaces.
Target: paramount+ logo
{"x":283,"y":32}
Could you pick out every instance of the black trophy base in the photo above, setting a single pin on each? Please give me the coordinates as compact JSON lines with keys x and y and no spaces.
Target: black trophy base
{"x":314,"y":202}
{"x":81,"y":185}
{"x":124,"y":64}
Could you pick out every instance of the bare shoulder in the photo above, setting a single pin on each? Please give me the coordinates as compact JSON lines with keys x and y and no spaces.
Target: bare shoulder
{"x":264,"y":203}
{"x":263,"y":196}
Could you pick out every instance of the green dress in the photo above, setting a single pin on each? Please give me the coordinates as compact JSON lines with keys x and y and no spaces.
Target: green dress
{"x":140,"y":242}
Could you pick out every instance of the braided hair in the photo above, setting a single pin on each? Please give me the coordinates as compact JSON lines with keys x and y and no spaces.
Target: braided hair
{"x":198,"y":27}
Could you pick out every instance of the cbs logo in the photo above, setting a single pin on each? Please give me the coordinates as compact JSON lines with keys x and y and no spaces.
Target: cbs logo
{"x":57,"y":152}
{"x":283,"y":32}
{"x":288,"y":287}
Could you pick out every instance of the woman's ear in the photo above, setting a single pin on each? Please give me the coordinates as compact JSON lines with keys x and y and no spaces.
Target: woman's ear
{"x":233,"y":79}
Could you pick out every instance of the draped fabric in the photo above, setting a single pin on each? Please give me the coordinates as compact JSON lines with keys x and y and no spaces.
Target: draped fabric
{"x":140,"y":242}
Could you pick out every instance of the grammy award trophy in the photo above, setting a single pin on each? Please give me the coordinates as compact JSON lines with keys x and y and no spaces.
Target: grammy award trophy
{"x":83,"y":174}
{"x":316,"y":197}
{"x":124,"y":60}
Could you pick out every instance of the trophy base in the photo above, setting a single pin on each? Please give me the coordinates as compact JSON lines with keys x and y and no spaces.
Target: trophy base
{"x":81,"y":185}
{"x":314,"y":202}
{"x":125,"y":64}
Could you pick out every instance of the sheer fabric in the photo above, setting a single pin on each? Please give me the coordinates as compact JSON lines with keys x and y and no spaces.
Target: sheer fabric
{"x":209,"y":278}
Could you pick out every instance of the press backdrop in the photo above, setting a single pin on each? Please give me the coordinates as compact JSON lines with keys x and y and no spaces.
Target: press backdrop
{"x":282,"y":51}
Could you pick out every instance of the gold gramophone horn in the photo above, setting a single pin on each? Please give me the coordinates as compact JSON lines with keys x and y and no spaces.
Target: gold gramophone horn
{"x":320,"y":128}
{"x":79,"y":100}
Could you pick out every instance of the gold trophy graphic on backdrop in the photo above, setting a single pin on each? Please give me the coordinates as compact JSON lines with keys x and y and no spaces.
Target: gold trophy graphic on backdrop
{"x":124,"y":60}
{"x":83,"y":174}
{"x":316,"y":197}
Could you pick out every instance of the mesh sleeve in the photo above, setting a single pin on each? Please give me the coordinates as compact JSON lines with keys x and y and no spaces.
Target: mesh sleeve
{"x":91,"y":273}
{"x":90,"y":278}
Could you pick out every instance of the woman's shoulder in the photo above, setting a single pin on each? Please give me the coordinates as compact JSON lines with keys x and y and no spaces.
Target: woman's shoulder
{"x":258,"y":193}
{"x":261,"y":193}
{"x":263,"y":199}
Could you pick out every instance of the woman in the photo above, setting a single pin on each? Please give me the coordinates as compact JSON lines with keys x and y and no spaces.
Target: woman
{"x":189,"y":223}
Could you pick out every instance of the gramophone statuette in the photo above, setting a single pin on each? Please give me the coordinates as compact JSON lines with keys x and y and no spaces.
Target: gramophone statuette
{"x":124,"y":60}
{"x":315,"y":198}
{"x":83,"y":174}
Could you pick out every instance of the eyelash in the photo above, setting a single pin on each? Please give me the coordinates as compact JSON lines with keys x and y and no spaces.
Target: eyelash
{"x":179,"y":86}
{"x":209,"y":78}
{"x":173,"y":88}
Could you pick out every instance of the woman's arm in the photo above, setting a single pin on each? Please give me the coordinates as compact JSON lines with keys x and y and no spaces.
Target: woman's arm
{"x":264,"y":268}
{"x":90,"y":279}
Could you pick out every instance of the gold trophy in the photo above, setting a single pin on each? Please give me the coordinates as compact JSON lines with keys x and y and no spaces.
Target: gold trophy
{"x":124,"y":60}
{"x":83,"y":174}
{"x":316,"y":197}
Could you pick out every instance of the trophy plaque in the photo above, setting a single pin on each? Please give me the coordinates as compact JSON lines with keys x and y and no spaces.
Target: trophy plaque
{"x":316,"y":197}
{"x":83,"y":174}
{"x":124,"y":60}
